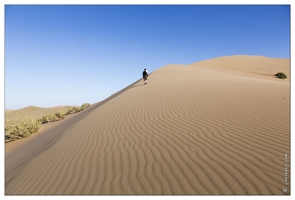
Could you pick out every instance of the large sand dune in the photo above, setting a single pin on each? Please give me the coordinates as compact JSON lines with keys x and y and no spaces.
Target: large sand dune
{"x":191,"y":130}
{"x":254,"y":65}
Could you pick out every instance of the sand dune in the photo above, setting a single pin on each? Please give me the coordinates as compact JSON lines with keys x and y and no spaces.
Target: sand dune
{"x":191,"y":130}
{"x":254,"y":65}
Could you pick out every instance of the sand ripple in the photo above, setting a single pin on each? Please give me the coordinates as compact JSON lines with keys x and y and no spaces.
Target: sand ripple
{"x":189,"y":131}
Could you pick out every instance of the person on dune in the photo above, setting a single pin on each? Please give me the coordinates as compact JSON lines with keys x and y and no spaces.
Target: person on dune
{"x":144,"y":76}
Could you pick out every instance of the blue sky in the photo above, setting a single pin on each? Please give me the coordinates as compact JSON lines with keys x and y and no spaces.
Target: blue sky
{"x":70,"y":55}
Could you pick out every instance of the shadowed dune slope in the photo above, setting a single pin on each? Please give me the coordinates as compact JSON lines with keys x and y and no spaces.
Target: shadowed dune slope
{"x":188,"y":131}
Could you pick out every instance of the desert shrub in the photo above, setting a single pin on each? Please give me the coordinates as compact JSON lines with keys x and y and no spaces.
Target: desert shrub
{"x":22,"y":130}
{"x":45,"y":119}
{"x":48,"y":118}
{"x":53,"y":117}
{"x":84,"y":106}
{"x":281,"y":75}
{"x":59,"y":115}
{"x":74,"y":109}
{"x":31,"y":126}
{"x":27,"y":127}
{"x":70,"y":111}
{"x":9,"y":134}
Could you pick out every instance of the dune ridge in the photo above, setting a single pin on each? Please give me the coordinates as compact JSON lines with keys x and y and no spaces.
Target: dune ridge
{"x":190,"y":130}
{"x":254,"y":65}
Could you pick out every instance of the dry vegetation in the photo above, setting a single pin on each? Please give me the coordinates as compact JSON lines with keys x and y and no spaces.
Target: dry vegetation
{"x":281,"y":75}
{"x":24,"y":122}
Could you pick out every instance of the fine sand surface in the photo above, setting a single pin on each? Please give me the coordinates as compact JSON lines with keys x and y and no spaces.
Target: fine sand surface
{"x":193,"y":129}
{"x":254,"y":65}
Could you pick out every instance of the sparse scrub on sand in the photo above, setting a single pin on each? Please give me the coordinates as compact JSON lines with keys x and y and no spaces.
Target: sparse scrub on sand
{"x":53,"y":117}
{"x":84,"y":106}
{"x":22,"y":130}
{"x":74,"y":109}
{"x":23,"y":127}
{"x":47,"y":118}
{"x":59,"y":116}
{"x":14,"y":117}
{"x":281,"y":75}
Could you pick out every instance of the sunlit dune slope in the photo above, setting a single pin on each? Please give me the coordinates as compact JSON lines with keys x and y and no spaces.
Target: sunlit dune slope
{"x":190,"y":130}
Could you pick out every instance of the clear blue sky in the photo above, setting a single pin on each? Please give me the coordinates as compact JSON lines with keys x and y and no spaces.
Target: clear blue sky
{"x":70,"y":55}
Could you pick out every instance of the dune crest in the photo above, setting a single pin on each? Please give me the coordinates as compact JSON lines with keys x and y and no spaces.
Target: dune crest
{"x":258,"y":65}
{"x":190,"y":130}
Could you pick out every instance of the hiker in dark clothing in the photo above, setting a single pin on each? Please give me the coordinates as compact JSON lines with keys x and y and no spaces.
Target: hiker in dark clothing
{"x":144,"y":76}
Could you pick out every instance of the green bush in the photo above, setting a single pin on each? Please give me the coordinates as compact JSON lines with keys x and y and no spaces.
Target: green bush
{"x":281,"y":75}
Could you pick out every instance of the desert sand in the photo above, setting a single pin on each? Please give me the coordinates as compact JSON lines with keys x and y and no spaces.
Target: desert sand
{"x":220,"y":126}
